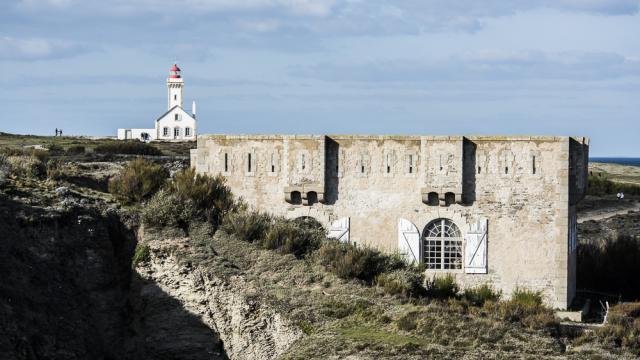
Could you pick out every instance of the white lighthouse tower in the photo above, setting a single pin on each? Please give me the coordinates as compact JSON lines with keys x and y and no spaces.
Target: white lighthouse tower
{"x":174,"y":125}
{"x":175,"y":86}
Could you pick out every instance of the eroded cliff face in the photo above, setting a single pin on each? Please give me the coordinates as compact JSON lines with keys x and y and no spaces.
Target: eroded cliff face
{"x":68,"y":291}
{"x":247,"y":328}
{"x":65,"y":283}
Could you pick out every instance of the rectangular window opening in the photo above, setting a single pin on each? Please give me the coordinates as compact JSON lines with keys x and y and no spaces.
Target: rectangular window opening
{"x":479,"y":169}
{"x":388,"y":169}
{"x":506,"y":169}
{"x":226,"y":162}
{"x":249,"y":162}
{"x":534,"y":164}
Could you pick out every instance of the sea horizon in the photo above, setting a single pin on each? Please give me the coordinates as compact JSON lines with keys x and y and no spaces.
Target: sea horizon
{"x":632,"y":161}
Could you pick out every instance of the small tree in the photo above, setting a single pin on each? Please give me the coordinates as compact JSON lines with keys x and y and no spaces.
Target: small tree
{"x":138,"y":180}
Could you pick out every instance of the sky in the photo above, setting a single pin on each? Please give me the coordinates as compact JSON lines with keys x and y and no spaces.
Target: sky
{"x":411,"y":67}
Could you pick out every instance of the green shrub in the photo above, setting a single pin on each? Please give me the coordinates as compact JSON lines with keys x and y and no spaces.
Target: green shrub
{"x":611,"y":267}
{"x":348,"y":261}
{"x":76,"y":149}
{"x":602,"y":186}
{"x":138,"y":180}
{"x":409,"y":321}
{"x":289,"y":237}
{"x":209,"y":194}
{"x":5,"y":169}
{"x":442,"y":287}
{"x":481,"y":294}
{"x":142,"y":254}
{"x":133,"y":147}
{"x":251,"y":226}
{"x":407,"y":282}
{"x":55,"y":149}
{"x":526,"y":307}
{"x":27,"y":166}
{"x":166,"y":209}
{"x":623,"y":327}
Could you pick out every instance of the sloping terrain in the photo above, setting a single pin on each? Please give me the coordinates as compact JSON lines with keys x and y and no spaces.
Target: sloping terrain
{"x":285,"y":300}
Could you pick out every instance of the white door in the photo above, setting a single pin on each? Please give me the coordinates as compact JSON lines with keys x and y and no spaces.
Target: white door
{"x":127,"y":134}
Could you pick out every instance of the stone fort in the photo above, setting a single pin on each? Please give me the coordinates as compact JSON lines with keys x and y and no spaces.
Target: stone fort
{"x":488,"y":209}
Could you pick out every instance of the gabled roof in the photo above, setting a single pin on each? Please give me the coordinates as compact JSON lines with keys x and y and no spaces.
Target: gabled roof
{"x":170,"y":110}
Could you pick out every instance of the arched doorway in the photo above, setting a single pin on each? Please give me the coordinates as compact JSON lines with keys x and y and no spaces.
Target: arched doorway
{"x":442,"y":245}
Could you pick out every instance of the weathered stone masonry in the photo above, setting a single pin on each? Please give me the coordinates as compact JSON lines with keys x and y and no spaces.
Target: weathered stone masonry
{"x":488,"y":209}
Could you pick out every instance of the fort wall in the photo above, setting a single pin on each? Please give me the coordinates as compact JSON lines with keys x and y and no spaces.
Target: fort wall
{"x":385,"y":190}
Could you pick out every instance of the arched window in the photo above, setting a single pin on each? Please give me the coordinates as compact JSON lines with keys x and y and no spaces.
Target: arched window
{"x":165,"y":131}
{"x":442,"y":244}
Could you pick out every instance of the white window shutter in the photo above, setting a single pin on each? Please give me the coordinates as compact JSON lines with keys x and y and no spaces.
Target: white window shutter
{"x":408,"y":241}
{"x":476,"y":248}
{"x":339,"y":230}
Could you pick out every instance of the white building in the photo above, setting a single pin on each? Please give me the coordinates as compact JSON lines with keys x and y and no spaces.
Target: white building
{"x":174,"y":125}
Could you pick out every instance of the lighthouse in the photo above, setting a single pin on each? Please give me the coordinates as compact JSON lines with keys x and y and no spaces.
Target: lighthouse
{"x":176,"y":124}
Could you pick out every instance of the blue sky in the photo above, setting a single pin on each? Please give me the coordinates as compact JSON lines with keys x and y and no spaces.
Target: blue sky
{"x":543,"y":67}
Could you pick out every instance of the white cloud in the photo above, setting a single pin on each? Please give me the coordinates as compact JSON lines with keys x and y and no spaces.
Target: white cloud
{"x":483,"y":66}
{"x":36,"y":49}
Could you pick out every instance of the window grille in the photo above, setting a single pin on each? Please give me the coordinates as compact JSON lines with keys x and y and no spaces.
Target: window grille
{"x":442,"y":242}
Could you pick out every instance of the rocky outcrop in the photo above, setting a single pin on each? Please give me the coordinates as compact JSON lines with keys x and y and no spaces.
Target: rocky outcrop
{"x":67,"y":291}
{"x":65,"y":283}
{"x":247,"y":328}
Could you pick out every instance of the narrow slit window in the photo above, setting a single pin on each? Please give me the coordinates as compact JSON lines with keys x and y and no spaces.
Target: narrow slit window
{"x":273,"y":163}
{"x":506,"y":169}
{"x":533,"y":164}
{"x":303,"y":163}
{"x":479,"y":169}
{"x":249,"y":162}
{"x":226,"y":162}
{"x":388,"y":163}
{"x":410,"y":164}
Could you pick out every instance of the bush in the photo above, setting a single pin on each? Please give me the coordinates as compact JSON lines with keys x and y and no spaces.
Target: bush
{"x":209,"y":194}
{"x":5,"y":169}
{"x":480,"y":295}
{"x":289,"y":237}
{"x":442,"y":287}
{"x":138,"y":180}
{"x":337,"y":309}
{"x":601,"y":186}
{"x":623,"y":327}
{"x":406,"y":282}
{"x":54,"y":169}
{"x":250,"y":226}
{"x":141,"y":254}
{"x":76,"y":149}
{"x":27,"y":166}
{"x":526,"y":307}
{"x":127,"y":147}
{"x":55,"y":149}
{"x":611,"y":267}
{"x":166,"y":209}
{"x":348,"y":261}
